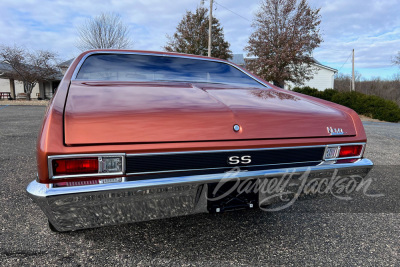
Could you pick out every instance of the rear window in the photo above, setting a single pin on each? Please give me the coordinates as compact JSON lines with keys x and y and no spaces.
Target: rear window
{"x":143,"y":68}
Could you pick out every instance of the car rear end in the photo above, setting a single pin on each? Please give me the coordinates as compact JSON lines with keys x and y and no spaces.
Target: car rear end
{"x":106,"y":162}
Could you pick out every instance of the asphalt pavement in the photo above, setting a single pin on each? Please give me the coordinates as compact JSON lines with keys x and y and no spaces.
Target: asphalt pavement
{"x":308,"y":234}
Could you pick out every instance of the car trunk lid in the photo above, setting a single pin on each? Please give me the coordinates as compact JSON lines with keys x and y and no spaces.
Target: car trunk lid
{"x":138,"y":112}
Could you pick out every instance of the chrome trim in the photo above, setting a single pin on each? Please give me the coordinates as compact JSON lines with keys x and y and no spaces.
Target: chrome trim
{"x":224,"y":150}
{"x":240,"y":150}
{"x":327,"y":163}
{"x":363,"y":150}
{"x":218,"y":168}
{"x":50,"y":166}
{"x":348,"y":144}
{"x":36,"y":189}
{"x":78,"y":67}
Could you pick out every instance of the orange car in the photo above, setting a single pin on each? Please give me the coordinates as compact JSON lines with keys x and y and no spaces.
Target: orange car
{"x":136,"y":135}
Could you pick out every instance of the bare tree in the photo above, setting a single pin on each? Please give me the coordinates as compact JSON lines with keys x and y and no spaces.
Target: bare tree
{"x":191,"y":36}
{"x":343,"y":82}
{"x":29,"y":67}
{"x":103,"y":32}
{"x":385,"y":88}
{"x":286,"y":33}
{"x":396,"y":59}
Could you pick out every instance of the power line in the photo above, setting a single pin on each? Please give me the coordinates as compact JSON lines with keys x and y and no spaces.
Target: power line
{"x":345,"y":61}
{"x":232,"y":11}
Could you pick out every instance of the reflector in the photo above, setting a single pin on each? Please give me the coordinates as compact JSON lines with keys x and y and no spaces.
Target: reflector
{"x":76,"y":183}
{"x":346,"y":161}
{"x":111,"y":164}
{"x":331,"y":152}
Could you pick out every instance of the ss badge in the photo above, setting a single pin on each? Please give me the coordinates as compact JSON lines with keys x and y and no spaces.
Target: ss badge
{"x":234,"y":160}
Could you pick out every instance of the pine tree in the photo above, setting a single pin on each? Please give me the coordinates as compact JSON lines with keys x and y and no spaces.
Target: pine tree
{"x":191,"y":36}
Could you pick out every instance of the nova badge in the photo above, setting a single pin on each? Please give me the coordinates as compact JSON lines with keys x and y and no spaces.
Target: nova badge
{"x":234,"y":160}
{"x":335,"y":131}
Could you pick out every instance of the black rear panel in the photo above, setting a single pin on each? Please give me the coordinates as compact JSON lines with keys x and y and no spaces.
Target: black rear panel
{"x":214,"y":162}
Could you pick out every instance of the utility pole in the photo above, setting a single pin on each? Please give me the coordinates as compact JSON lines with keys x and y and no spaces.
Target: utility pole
{"x":209,"y":28}
{"x":353,"y":86}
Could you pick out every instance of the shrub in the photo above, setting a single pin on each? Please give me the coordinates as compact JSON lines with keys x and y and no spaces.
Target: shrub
{"x":328,"y":94}
{"x":306,"y":90}
{"x":369,"y":105}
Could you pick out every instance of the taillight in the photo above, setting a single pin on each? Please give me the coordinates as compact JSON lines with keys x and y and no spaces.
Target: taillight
{"x":350,"y":151}
{"x":340,"y":152}
{"x":75,"y":166}
{"x":86,"y":165}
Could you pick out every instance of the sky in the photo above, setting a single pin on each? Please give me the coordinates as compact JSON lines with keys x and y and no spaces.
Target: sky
{"x":371,"y":27}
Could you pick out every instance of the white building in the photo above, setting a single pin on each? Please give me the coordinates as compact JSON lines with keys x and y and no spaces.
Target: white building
{"x":42,"y":90}
{"x":323,"y":77}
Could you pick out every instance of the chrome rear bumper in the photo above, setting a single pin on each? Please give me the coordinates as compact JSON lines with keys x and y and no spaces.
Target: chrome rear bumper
{"x":80,"y":207}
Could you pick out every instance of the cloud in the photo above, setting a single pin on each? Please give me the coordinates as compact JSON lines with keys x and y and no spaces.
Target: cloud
{"x":371,"y":27}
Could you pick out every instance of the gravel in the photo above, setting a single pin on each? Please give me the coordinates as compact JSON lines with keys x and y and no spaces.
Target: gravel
{"x":288,"y":238}
{"x":24,"y":103}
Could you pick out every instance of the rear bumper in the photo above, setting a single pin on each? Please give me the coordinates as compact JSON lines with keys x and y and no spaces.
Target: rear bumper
{"x":80,"y":207}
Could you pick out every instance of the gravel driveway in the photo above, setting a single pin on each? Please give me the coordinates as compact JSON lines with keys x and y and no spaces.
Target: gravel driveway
{"x":307,"y":234}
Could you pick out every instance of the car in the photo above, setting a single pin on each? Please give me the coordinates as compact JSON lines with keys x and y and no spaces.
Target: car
{"x":137,"y":135}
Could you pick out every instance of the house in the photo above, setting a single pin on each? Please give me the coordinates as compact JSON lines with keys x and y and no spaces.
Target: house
{"x":238,"y":59}
{"x":42,"y":90}
{"x":65,"y":65}
{"x":323,"y":77}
